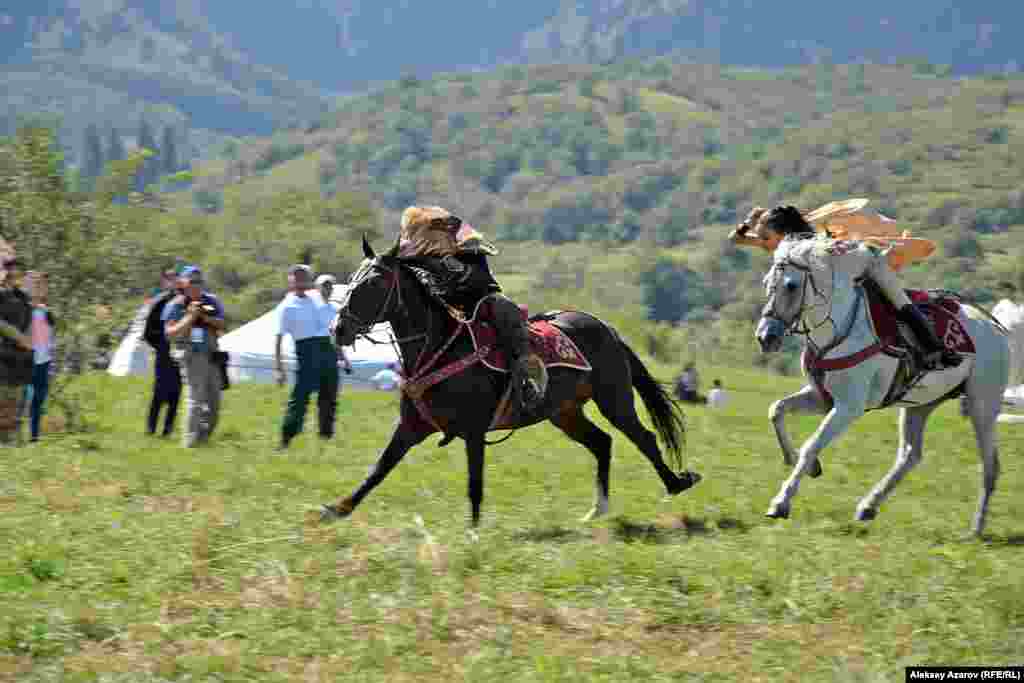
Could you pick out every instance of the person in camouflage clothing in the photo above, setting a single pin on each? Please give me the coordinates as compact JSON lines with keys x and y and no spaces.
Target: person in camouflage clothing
{"x":450,"y":258}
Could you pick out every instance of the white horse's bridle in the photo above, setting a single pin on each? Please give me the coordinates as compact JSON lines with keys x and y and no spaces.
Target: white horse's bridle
{"x":799,"y":324}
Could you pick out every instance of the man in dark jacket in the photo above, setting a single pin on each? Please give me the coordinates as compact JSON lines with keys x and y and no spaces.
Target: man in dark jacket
{"x":15,"y":347}
{"x":167,"y":374}
{"x":452,"y":258}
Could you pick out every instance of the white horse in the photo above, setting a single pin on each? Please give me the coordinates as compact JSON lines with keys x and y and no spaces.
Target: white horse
{"x":814,"y":289}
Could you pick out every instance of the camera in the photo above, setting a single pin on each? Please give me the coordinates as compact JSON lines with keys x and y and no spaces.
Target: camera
{"x":207,"y":309}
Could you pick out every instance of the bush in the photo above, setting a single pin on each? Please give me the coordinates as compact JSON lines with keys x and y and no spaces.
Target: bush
{"x":278,"y":153}
{"x":670,"y":290}
{"x":208,"y":201}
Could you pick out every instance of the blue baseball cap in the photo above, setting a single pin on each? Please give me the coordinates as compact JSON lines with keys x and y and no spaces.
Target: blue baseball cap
{"x":192,"y":273}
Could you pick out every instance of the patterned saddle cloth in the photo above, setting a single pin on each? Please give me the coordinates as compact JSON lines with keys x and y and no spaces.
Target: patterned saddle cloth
{"x":552,"y":345}
{"x":943,"y":312}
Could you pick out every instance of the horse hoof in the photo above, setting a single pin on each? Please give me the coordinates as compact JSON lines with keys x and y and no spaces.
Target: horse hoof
{"x":684,"y":480}
{"x":866,"y":515}
{"x":330,"y":513}
{"x":816,"y":470}
{"x":778,"y":511}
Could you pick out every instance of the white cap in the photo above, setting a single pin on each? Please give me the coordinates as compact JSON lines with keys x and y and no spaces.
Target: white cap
{"x":321,"y":279}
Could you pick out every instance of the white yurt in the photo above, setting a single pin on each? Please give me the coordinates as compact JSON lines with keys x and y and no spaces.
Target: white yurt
{"x":133,"y":355}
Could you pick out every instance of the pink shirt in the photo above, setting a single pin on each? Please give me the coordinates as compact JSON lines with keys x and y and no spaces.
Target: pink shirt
{"x":40,"y":336}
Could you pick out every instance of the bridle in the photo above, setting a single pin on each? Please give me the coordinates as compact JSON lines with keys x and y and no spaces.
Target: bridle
{"x":360,"y":327}
{"x":798,"y":325}
{"x":793,"y":326}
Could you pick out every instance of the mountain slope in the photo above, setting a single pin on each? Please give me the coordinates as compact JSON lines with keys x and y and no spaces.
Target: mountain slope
{"x":345,"y":45}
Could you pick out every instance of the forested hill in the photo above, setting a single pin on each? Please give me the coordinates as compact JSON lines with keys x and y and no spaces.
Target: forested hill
{"x":208,"y":68}
{"x":626,"y":178}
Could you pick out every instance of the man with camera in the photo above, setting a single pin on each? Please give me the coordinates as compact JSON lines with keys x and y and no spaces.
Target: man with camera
{"x":307,"y":317}
{"x":193,"y":321}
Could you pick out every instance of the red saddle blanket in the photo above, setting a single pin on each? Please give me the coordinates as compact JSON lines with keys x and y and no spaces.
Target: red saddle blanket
{"x":553,"y":345}
{"x":944,"y":313}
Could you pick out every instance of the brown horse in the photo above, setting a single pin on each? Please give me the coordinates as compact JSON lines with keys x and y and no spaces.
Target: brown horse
{"x":463,"y":405}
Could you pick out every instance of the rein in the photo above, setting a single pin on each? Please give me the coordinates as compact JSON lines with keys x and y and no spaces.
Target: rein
{"x":422,"y":376}
{"x":816,"y":360}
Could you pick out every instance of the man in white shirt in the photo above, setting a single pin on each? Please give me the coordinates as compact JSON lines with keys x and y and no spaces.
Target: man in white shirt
{"x":387,"y":379}
{"x":325,"y":285}
{"x":307,"y":319}
{"x":717,"y":397}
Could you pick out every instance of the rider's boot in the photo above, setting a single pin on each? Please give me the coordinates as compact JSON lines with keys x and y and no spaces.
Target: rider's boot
{"x":529,"y":376}
{"x":934,"y":354}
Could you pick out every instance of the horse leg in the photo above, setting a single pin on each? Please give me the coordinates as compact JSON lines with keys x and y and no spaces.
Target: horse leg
{"x":807,"y":401}
{"x":835,"y":423}
{"x":909,"y":454}
{"x":475,"y":461}
{"x":581,"y":430}
{"x":984,"y":411}
{"x":402,"y":439}
{"x":618,"y":408}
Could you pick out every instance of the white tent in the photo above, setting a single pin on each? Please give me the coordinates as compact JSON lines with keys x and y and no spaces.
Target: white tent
{"x":133,"y":355}
{"x":1011,"y":315}
{"x":251,"y":352}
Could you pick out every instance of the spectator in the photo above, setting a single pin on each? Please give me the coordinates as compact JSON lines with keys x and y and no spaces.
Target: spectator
{"x":717,"y":397}
{"x":167,"y":374}
{"x":15,"y":347}
{"x":307,"y":319}
{"x":688,"y":385}
{"x":42,"y":348}
{"x":387,"y":379}
{"x":325,"y":285}
{"x":101,"y":359}
{"x":193,"y":320}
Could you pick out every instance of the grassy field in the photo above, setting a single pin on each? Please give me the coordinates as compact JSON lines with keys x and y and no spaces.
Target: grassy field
{"x":127,"y":558}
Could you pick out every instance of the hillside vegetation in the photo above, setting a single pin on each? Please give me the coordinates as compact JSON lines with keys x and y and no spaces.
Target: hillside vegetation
{"x":613,"y":188}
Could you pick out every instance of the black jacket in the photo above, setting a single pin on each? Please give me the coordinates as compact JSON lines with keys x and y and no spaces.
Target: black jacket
{"x":15,"y":362}
{"x":460,"y":280}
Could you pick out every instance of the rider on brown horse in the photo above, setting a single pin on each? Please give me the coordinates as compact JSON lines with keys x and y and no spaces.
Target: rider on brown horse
{"x":450,"y":258}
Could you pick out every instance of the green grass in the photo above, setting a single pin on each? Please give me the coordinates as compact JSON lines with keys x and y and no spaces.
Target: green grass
{"x":129,"y":558}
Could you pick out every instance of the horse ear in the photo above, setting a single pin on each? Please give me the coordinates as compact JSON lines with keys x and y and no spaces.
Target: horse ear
{"x":393,"y":251}
{"x":367,"y":249}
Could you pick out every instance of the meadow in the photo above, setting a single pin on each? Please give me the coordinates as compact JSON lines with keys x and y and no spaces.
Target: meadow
{"x":128,"y":558}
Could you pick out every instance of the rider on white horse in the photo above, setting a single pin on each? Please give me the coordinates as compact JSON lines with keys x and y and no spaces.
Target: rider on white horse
{"x":787,"y":221}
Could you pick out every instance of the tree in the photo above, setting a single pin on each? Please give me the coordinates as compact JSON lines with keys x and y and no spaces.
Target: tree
{"x":92,"y":154}
{"x":670,"y":290}
{"x":150,"y":170}
{"x":169,"y":152}
{"x":115,"y":146}
{"x":94,"y":249}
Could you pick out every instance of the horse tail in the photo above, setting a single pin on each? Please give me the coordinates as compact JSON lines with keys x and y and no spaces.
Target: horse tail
{"x":665,"y":413}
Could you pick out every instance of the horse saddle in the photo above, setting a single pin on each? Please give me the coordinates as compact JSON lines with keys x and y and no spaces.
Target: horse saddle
{"x":944,"y":314}
{"x":942,"y":310}
{"x":547,"y":342}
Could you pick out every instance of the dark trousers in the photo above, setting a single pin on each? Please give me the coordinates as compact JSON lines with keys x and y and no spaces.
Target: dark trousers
{"x":166,"y":390}
{"x":318,"y":371}
{"x":40,"y":388}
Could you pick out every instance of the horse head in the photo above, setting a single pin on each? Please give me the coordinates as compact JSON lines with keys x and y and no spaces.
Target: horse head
{"x":371,"y":297}
{"x":786,"y":288}
{"x":795,"y":287}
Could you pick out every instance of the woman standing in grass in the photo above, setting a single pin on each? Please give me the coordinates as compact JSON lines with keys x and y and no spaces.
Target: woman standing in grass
{"x":42,"y":347}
